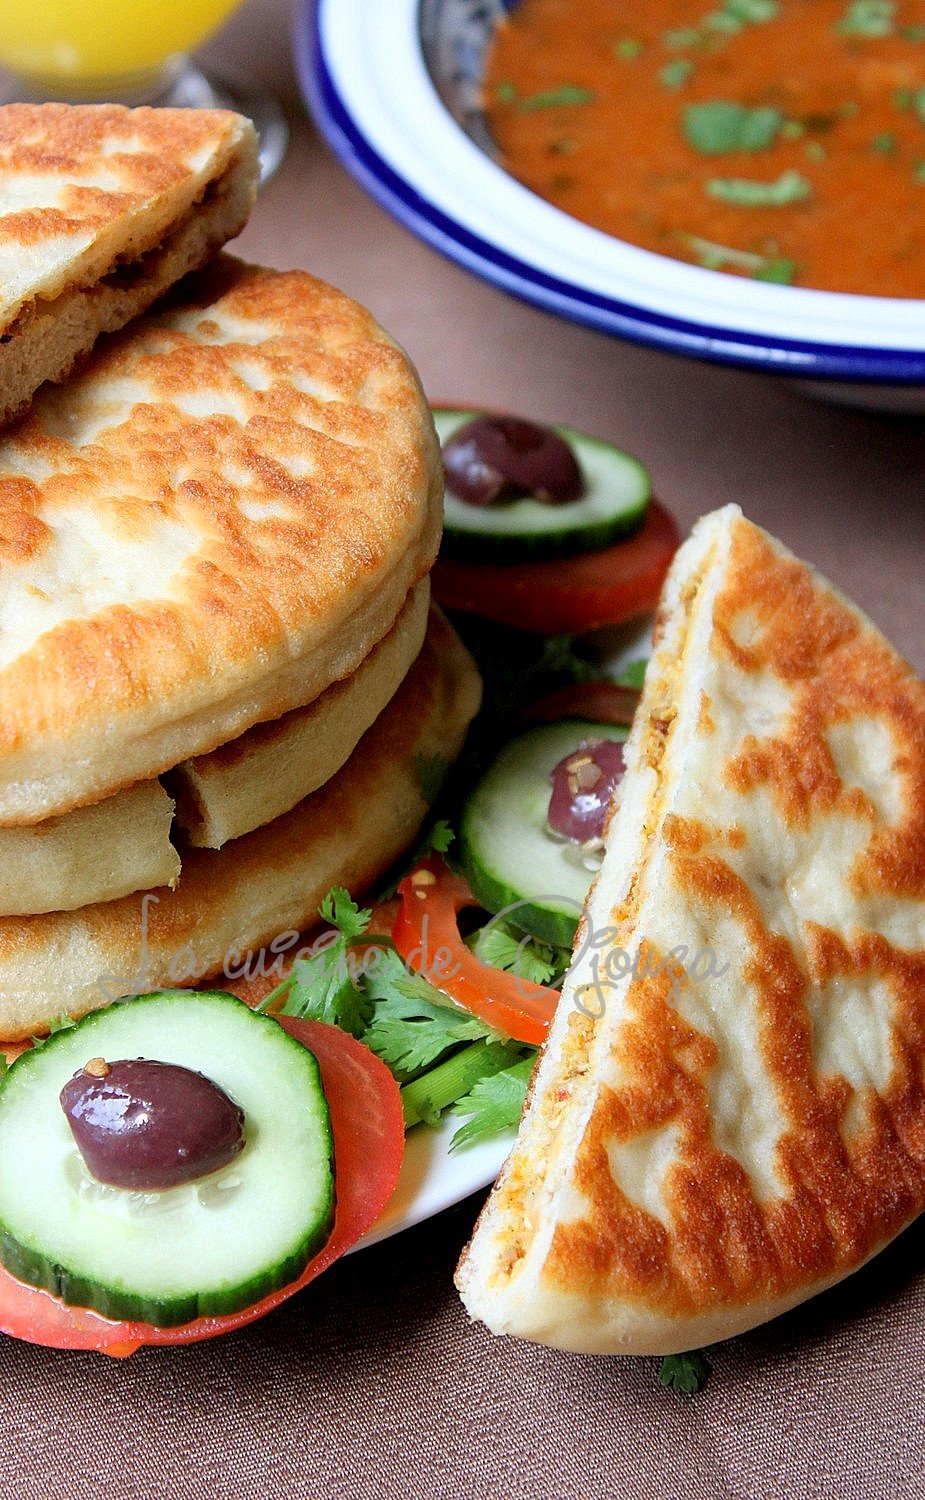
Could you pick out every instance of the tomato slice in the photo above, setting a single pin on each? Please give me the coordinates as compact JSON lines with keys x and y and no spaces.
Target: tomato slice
{"x":369,"y":1140}
{"x":601,"y":702}
{"x":570,"y":595}
{"x":426,"y":934}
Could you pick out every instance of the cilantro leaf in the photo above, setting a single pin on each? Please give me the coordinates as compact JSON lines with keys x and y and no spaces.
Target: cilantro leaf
{"x":494,"y":1104}
{"x":675,"y":73}
{"x":434,"y":840}
{"x":790,"y":187}
{"x":723,"y":21}
{"x":503,"y":945}
{"x":409,"y":1027}
{"x":913,"y":99}
{"x":681,"y":37}
{"x":560,"y":659}
{"x":717,"y":125}
{"x":321,"y":988}
{"x":686,"y":1373}
{"x":340,"y":910}
{"x":57,"y":1023}
{"x":752,"y":12}
{"x":565,"y":94}
{"x":777,"y":269}
{"x":760,"y":267}
{"x":868,"y":18}
{"x":438,"y":838}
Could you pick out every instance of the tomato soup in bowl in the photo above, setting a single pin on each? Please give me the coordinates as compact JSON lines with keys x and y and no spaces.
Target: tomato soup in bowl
{"x":417,"y":98}
{"x":777,"y":139}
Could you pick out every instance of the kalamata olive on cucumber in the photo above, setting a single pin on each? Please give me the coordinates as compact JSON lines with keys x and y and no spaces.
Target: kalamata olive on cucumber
{"x":512,"y":859}
{"x":491,"y":516}
{"x":144,"y":1124}
{"x":583,"y":784}
{"x":497,"y":458}
{"x":202,"y":1247}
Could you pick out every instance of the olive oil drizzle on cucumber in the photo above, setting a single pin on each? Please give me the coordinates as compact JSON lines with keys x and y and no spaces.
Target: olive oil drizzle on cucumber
{"x":617,"y":491}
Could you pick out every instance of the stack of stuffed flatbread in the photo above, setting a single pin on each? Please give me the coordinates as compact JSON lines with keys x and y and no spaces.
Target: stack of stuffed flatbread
{"x":221,"y":688}
{"x":729,"y":1114}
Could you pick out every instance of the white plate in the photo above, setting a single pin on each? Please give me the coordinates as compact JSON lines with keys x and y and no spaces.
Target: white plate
{"x":434,"y":1178}
{"x":377,"y":100}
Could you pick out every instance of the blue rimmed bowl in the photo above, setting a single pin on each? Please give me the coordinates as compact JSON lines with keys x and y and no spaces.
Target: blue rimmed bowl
{"x":394,"y":86}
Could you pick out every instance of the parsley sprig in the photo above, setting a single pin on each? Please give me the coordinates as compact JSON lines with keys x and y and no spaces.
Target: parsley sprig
{"x":439,"y":1053}
{"x":495,"y":1103}
{"x":408,"y":1028}
{"x":868,"y":18}
{"x":714,"y":126}
{"x":790,"y":187}
{"x":321,"y":987}
{"x":713,"y":257}
{"x":504,"y":946}
{"x":686,"y":1373}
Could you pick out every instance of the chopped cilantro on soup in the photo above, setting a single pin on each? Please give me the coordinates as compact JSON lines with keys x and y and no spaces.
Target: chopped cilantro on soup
{"x":767,"y":138}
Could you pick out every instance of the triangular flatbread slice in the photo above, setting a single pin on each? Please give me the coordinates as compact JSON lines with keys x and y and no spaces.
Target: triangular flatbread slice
{"x":729,"y":1112}
{"x":102,"y":208}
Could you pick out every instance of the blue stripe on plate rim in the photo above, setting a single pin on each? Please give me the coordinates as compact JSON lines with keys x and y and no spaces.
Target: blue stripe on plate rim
{"x":356,"y":153}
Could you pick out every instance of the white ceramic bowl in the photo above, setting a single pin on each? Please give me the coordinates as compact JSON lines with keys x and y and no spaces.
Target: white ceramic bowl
{"x":393,"y":86}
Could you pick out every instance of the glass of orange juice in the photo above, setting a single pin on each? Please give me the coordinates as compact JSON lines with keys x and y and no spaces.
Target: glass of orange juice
{"x":130,"y":51}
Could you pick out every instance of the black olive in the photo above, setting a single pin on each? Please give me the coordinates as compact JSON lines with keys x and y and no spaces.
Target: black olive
{"x":146,"y":1125}
{"x":492,"y":460}
{"x":583,"y":784}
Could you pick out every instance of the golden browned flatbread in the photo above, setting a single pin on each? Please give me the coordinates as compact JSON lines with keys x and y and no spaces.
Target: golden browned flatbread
{"x":219,"y":516}
{"x":729,"y":1114}
{"x":102,"y":208}
{"x":231,"y":901}
{"x":263,"y":773}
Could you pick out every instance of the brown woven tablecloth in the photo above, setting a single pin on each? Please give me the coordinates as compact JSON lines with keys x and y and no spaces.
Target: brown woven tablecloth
{"x":372,"y":1383}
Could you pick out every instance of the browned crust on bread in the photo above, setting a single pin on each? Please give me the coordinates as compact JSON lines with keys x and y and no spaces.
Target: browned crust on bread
{"x":845,"y":1191}
{"x":50,"y":334}
{"x":730,"y":1144}
{"x":263,"y":454}
{"x":109,"y":181}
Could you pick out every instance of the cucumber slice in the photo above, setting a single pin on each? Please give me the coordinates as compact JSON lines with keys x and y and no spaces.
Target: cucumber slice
{"x":614,"y":504}
{"x":208,"y":1247}
{"x":510,"y":858}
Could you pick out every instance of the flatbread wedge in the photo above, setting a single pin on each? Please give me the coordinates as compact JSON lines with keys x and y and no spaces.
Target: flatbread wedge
{"x":102,"y":208}
{"x":729,"y":1113}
